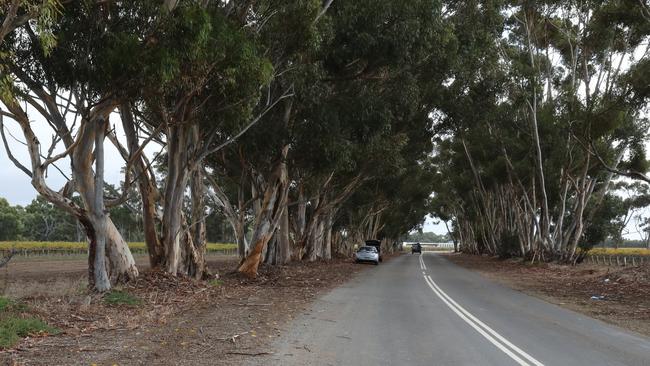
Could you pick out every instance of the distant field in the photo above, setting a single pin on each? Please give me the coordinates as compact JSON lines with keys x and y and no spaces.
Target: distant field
{"x":62,"y":245}
{"x":620,"y":251}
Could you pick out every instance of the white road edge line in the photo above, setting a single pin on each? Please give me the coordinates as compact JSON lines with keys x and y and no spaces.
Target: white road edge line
{"x":477,"y":328}
{"x":485,"y":326}
{"x":422,"y":265}
{"x":490,"y":330}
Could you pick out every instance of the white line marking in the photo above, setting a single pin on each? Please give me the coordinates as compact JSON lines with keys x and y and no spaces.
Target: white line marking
{"x":478,"y":329}
{"x":492,"y":331}
{"x":422,"y":265}
{"x":475,"y":323}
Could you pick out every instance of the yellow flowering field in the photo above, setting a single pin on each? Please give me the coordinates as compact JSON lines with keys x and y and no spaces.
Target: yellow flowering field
{"x":620,"y":251}
{"x":82,"y":245}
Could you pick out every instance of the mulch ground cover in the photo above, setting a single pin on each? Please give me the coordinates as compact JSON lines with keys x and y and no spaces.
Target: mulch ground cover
{"x":165,"y":320}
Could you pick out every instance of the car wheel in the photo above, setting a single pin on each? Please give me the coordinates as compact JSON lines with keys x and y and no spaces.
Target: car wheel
{"x":377,"y":263}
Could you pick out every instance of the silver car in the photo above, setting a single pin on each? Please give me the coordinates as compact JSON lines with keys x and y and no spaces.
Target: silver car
{"x":367,"y":254}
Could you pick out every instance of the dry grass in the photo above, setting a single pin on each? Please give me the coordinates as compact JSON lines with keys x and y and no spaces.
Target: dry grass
{"x":57,"y":287}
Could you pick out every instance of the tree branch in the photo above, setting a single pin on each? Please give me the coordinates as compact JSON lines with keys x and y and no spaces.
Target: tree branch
{"x":9,"y":154}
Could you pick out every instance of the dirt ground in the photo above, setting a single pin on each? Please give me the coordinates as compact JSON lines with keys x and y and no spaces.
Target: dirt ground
{"x":179,"y":321}
{"x":621,"y":295}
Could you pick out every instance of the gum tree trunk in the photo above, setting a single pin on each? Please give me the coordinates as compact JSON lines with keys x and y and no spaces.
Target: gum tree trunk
{"x":148,"y":191}
{"x":102,"y":283}
{"x":183,"y":257}
{"x":279,"y":250}
{"x":101,"y":232}
{"x":268,"y":216}
{"x":196,"y":262}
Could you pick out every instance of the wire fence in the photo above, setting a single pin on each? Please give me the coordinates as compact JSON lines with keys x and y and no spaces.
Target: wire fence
{"x":618,"y":260}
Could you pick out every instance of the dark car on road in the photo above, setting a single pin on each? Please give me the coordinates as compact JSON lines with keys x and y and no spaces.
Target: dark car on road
{"x":416,"y":248}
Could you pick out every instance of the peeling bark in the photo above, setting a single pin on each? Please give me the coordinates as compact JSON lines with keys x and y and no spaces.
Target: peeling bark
{"x":267,"y":219}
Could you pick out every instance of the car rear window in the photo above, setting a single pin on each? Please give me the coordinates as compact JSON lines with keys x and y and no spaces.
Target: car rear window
{"x":367,"y":249}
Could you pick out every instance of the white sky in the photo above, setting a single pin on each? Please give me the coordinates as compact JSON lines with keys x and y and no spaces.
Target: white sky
{"x":16,"y":187}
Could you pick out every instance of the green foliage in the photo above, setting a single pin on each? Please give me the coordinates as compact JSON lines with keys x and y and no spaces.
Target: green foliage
{"x":116,"y":297}
{"x":509,"y":84}
{"x":10,"y":221}
{"x":427,"y":237}
{"x":45,"y":222}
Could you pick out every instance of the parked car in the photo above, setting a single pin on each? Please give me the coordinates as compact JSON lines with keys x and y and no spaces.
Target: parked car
{"x":416,"y":248}
{"x":367,"y":254}
{"x":377,"y":244}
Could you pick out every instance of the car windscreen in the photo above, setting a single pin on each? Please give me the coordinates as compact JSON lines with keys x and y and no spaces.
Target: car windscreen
{"x":368,"y":249}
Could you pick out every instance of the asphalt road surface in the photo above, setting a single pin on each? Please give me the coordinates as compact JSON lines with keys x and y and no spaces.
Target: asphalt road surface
{"x":424,"y":310}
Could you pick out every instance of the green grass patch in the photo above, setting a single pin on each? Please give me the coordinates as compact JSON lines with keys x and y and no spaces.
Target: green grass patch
{"x":7,"y":305}
{"x":121,"y":298}
{"x":13,"y":328}
{"x":215,"y":282}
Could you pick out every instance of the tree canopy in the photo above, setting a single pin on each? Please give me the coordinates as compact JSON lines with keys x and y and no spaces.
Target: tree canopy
{"x":308,"y":126}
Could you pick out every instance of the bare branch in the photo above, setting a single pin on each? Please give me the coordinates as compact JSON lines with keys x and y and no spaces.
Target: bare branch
{"x":324,"y":10}
{"x":229,"y":141}
{"x":9,"y":154}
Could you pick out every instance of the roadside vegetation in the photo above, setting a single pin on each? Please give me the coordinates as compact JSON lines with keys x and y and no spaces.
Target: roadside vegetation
{"x":15,"y":324}
{"x":545,"y":151}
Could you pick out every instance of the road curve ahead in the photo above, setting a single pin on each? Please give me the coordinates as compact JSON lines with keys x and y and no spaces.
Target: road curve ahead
{"x":424,"y":310}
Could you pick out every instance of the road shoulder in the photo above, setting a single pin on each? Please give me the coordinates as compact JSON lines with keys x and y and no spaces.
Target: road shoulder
{"x":621,"y":296}
{"x":176,"y":321}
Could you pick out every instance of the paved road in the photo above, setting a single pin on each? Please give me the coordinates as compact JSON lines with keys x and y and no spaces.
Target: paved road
{"x":425,"y":310}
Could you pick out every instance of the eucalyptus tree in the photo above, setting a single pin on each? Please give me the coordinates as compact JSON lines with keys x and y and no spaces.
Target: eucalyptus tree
{"x":579,"y":93}
{"x":553,"y":96}
{"x":380,"y":86}
{"x":11,"y":222}
{"x":359,"y":93}
{"x":60,"y":95}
